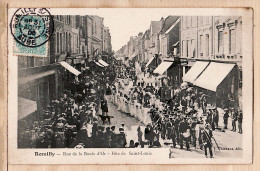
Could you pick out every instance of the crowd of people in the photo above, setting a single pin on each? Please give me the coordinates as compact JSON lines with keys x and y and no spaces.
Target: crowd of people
{"x":184,"y":118}
{"x":74,"y":120}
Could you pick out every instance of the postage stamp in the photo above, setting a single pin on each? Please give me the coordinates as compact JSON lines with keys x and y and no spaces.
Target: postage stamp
{"x":31,"y":28}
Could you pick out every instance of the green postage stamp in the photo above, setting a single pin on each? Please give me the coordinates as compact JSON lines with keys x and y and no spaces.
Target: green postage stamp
{"x":31,"y":29}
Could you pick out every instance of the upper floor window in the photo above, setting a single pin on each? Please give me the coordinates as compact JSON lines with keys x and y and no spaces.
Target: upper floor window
{"x":201,"y":45}
{"x":184,"y":22}
{"x":187,"y":47}
{"x":200,"y":19}
{"x":193,"y":21}
{"x":60,"y":42}
{"x":188,"y":21}
{"x":232,"y":41}
{"x":183,"y":48}
{"x":193,"y":48}
{"x":57,"y":43}
{"x":95,"y":28}
{"x":220,"y":42}
{"x":206,"y":19}
{"x":207,"y":45}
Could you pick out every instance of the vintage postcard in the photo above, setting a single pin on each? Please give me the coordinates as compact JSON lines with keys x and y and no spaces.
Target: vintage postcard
{"x":130,"y":86}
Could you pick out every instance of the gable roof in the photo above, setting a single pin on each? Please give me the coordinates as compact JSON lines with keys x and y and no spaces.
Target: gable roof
{"x":168,"y":23}
{"x":155,"y":27}
{"x":146,"y":34}
{"x":174,"y":24}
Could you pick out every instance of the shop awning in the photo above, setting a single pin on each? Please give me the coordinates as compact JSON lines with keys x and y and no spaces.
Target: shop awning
{"x":99,"y":64}
{"x":214,"y":74}
{"x":150,"y":62}
{"x":103,"y":63}
{"x":24,"y":80}
{"x":70,"y":68}
{"x":176,"y":44}
{"x":26,"y":107}
{"x":195,"y":71}
{"x":162,"y":67}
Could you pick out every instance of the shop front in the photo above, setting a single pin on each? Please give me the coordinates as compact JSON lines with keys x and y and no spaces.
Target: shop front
{"x":217,"y":81}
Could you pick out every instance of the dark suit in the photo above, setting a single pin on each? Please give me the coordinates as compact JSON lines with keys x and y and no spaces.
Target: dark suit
{"x":206,"y":138}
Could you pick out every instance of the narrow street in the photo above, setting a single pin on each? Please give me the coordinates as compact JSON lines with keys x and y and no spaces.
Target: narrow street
{"x":120,"y":117}
{"x":223,"y":139}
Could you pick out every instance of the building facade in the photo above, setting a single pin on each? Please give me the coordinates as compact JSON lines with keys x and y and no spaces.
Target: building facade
{"x":107,"y":46}
{"x":169,"y":35}
{"x":41,"y":79}
{"x":154,"y":44}
{"x":216,"y":41}
{"x":97,"y":35}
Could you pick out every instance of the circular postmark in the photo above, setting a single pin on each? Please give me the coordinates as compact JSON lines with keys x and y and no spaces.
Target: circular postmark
{"x":32,"y":27}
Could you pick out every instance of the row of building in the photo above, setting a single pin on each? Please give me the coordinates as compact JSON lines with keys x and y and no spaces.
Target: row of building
{"x":210,"y":47}
{"x":75,"y":40}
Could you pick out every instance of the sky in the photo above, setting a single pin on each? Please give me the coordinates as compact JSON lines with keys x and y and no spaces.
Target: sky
{"x":126,"y":23}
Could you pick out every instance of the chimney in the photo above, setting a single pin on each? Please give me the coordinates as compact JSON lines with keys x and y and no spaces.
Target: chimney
{"x":162,"y":22}
{"x":140,"y":34}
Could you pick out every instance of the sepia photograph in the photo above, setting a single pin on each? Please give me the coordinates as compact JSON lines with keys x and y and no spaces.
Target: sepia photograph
{"x":134,"y":80}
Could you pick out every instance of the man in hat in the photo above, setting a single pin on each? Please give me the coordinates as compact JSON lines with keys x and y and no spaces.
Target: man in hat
{"x":183,"y":130}
{"x":193,"y":130}
{"x":206,"y":138}
{"x":173,"y":132}
{"x":108,"y":137}
{"x":176,"y":126}
{"x":239,"y":120}
{"x":163,"y":129}
{"x":140,"y":136}
{"x":168,"y":128}
{"x":234,"y":115}
{"x":183,"y":104}
{"x":101,"y":137}
{"x":122,"y":138}
{"x":225,"y":118}
{"x":215,"y":117}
